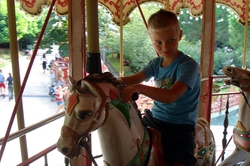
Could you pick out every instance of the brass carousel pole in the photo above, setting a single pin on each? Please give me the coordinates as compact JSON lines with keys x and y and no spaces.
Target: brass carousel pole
{"x":245,"y":36}
{"x":93,"y":55}
{"x":16,"y":73}
{"x":167,"y":5}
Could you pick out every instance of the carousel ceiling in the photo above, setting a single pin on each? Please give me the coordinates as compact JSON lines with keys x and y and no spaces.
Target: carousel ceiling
{"x":34,"y":7}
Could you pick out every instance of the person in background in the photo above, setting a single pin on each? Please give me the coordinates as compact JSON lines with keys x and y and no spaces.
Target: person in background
{"x":44,"y":62}
{"x":9,"y":82}
{"x":52,"y":72}
{"x":57,"y":56}
{"x":2,"y":84}
{"x":60,"y":92}
{"x":61,"y":81}
{"x":176,"y":94}
{"x":30,"y":52}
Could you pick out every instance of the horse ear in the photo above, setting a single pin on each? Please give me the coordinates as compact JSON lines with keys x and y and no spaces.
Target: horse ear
{"x":72,"y":81}
{"x":86,"y":87}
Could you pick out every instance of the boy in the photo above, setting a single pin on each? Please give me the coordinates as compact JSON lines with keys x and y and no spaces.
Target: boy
{"x":176,"y":96}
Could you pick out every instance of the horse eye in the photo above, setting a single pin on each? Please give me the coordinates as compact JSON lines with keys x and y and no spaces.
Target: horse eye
{"x":84,"y":115}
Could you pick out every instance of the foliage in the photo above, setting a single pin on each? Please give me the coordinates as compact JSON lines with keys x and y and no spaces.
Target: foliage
{"x":109,"y":34}
{"x":237,"y":40}
{"x":138,"y":48}
{"x":191,"y":49}
{"x":4,"y":31}
{"x":222,"y":34}
{"x":4,"y":58}
{"x":26,"y":26}
{"x":56,"y":33}
{"x":191,"y":26}
{"x":116,"y":64}
{"x":222,"y":57}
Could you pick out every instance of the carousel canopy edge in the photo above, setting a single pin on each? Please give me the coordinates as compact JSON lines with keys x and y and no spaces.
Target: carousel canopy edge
{"x":35,"y":7}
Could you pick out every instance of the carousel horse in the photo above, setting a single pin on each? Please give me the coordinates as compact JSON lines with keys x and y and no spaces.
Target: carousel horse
{"x":95,"y":104}
{"x":241,"y":133}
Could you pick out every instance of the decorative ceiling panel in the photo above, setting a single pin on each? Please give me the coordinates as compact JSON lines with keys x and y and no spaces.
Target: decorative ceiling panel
{"x":34,"y":7}
{"x":239,"y":6}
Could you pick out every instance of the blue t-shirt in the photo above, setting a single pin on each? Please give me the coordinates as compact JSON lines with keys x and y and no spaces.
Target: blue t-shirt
{"x":1,"y":78}
{"x":10,"y":80}
{"x":186,"y":70}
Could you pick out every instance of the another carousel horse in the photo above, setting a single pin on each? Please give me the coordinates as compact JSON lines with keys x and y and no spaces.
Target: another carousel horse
{"x":241,"y":133}
{"x":95,"y":104}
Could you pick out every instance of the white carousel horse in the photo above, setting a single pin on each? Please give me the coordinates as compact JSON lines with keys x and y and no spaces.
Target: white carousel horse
{"x":241,"y":133}
{"x":94,"y":104}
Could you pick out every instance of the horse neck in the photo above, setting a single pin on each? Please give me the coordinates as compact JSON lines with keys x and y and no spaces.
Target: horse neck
{"x":117,"y":140}
{"x":244,"y":111}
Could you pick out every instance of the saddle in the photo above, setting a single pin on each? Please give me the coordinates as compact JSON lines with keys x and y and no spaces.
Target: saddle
{"x":155,"y":136}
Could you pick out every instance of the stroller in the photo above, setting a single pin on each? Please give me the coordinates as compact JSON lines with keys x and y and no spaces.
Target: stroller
{"x":52,"y":92}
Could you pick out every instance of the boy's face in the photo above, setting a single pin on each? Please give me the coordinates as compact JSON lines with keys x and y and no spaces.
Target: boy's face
{"x":166,"y":41}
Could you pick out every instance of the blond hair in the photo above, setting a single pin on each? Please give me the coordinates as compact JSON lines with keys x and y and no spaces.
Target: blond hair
{"x":162,"y":20}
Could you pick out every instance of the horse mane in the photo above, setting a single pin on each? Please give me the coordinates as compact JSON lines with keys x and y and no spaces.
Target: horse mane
{"x":106,"y":77}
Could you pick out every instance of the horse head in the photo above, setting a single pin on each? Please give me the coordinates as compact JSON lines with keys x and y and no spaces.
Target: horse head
{"x":237,"y":77}
{"x":241,"y":79}
{"x":86,"y":110}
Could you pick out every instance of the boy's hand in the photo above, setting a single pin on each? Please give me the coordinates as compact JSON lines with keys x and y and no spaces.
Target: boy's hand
{"x":127,"y":93}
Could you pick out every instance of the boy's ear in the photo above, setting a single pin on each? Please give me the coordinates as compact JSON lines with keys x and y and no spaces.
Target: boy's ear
{"x":180,"y":36}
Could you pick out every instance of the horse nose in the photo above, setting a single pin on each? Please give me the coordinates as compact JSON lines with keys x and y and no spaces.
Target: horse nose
{"x":65,"y":151}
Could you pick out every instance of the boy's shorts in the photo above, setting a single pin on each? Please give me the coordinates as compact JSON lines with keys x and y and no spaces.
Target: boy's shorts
{"x":177,"y":140}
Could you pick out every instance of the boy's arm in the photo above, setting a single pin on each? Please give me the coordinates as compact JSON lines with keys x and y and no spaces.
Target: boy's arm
{"x":162,"y":95}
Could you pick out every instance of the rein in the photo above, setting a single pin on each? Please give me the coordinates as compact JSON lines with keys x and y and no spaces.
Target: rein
{"x":245,"y":98}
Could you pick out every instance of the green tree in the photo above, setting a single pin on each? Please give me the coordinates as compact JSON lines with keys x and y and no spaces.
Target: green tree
{"x":236,"y":40}
{"x":109,"y":33}
{"x":138,"y":48}
{"x":56,"y":33}
{"x":191,"y":26}
{"x":27,"y":26}
{"x":222,"y":34}
{"x":4,"y":31}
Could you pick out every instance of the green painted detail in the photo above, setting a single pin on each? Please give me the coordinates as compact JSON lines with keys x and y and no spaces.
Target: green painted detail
{"x":124,"y":108}
{"x":243,"y":135}
{"x":202,"y":152}
{"x":211,"y":147}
